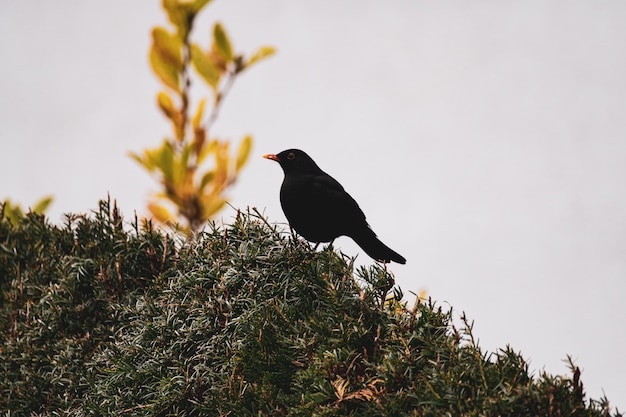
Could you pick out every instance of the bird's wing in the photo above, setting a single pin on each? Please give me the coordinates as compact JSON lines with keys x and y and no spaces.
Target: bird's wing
{"x":345,"y":208}
{"x":326,"y":182}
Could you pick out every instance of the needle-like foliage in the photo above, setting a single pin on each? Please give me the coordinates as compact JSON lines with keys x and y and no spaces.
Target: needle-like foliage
{"x":101,"y":317}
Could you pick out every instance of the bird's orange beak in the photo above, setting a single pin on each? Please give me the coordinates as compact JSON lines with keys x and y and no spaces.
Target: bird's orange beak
{"x":272,"y":157}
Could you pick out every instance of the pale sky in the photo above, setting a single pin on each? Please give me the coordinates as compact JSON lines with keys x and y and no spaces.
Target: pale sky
{"x":485,"y":141}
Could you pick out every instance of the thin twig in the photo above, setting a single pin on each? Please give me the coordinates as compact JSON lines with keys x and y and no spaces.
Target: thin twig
{"x":219,"y":98}
{"x":186,"y":85}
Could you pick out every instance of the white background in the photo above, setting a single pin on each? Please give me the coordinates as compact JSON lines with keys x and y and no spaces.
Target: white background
{"x":484,"y":140}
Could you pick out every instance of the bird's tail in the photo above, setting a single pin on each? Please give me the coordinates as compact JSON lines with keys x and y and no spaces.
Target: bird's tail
{"x":377,"y":249}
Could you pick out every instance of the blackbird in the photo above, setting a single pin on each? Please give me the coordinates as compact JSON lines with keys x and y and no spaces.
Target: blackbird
{"x":320,"y":210}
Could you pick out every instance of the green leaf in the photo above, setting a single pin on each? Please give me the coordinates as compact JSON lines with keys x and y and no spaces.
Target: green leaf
{"x":243,"y":153}
{"x":199,"y":4}
{"x":168,"y":46}
{"x":41,"y":205}
{"x":153,"y":157}
{"x":12,"y":212}
{"x":262,"y":53}
{"x":166,"y":57}
{"x":222,"y":43}
{"x":163,"y":159}
{"x":206,"y":179}
{"x":184,"y":156}
{"x":167,"y":161}
{"x":166,"y":73}
{"x":180,"y":15}
{"x":145,"y":162}
{"x":183,"y":163}
{"x":204,"y":66}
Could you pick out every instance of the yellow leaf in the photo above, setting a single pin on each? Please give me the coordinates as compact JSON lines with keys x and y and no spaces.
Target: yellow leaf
{"x":199,"y":4}
{"x":145,"y":162}
{"x":11,"y":212}
{"x":164,"y":160}
{"x":211,"y":204}
{"x":180,"y":169}
{"x":222,"y":43}
{"x":41,"y":205}
{"x":160,"y":213}
{"x":184,"y":156}
{"x":206,"y":179}
{"x":166,"y":73}
{"x":199,"y":132}
{"x":179,"y":16}
{"x":262,"y":53}
{"x":205,"y":66}
{"x":168,"y":46}
{"x":243,"y":153}
{"x":206,"y":151}
{"x":177,"y":117}
{"x":182,"y":12}
{"x":166,"y":104}
{"x":222,"y":164}
{"x":152,"y":157}
{"x":197,"y":118}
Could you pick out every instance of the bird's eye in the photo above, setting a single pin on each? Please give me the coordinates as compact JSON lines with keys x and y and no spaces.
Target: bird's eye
{"x":291,"y":155}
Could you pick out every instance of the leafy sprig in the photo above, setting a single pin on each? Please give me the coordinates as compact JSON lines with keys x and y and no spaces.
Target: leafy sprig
{"x":193,"y":168}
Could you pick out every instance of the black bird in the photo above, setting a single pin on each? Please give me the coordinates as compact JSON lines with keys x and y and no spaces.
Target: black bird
{"x":320,"y":210}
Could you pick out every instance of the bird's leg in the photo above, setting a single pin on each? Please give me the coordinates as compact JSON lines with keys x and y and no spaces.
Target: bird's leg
{"x":316,"y":245}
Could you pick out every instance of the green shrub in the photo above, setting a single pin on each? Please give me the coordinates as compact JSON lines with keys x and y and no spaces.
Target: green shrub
{"x":104,"y":318}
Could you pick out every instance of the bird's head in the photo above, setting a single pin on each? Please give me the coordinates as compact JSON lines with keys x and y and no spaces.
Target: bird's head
{"x":294,"y":161}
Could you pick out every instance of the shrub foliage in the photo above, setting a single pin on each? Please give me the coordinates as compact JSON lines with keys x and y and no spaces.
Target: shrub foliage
{"x":101,"y":317}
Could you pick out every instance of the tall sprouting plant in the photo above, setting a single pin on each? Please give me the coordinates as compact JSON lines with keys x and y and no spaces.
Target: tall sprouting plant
{"x":190,"y":183}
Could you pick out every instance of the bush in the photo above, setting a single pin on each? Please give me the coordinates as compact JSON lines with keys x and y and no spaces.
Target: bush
{"x":241,"y":320}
